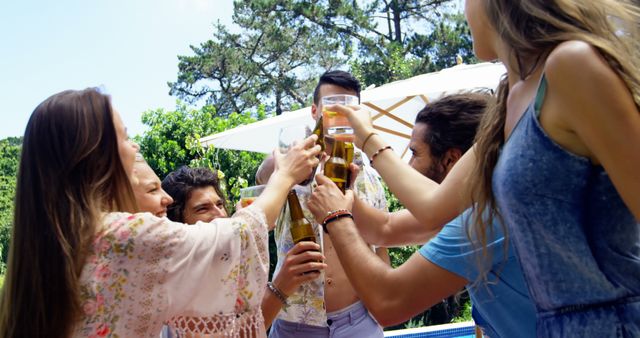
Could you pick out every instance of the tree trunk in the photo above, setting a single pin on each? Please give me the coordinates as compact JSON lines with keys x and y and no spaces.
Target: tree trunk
{"x":396,"y":21}
{"x":278,"y":102}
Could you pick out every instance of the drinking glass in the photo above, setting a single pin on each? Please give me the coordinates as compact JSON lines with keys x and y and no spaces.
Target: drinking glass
{"x":292,"y":135}
{"x":249,"y":194}
{"x":336,"y":125}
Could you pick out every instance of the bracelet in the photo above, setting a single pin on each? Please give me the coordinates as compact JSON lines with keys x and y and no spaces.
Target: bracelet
{"x":367,"y":139}
{"x":334,"y":218}
{"x":373,"y":157}
{"x":279,"y":294}
{"x":334,"y":213}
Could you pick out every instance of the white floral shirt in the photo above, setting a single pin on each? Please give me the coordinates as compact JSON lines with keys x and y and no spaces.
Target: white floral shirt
{"x":202,"y":279}
{"x":307,"y":305}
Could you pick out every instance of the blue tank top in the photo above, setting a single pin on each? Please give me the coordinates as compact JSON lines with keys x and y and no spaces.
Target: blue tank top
{"x":578,"y":243}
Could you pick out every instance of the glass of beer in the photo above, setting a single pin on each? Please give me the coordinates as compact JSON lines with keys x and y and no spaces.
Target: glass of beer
{"x":337,"y":125}
{"x":249,"y":194}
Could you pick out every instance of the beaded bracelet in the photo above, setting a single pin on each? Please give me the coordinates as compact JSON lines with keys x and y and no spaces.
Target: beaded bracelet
{"x":334,"y":213}
{"x":279,"y":294}
{"x":373,"y":157}
{"x":367,"y":139}
{"x":334,"y":218}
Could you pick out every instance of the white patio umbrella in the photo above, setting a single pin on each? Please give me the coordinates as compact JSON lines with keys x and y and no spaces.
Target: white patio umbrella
{"x":393,"y":109}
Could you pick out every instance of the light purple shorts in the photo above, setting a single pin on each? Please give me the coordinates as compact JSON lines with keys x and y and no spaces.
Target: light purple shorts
{"x":352,"y":321}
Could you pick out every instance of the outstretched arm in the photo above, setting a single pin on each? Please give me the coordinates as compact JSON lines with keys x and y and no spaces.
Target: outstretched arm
{"x":392,"y":295}
{"x":290,"y":168}
{"x":386,"y":229}
{"x":432,"y":204}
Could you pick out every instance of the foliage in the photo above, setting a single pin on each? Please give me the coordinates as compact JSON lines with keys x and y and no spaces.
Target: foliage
{"x":465,"y":315}
{"x":274,"y":61}
{"x":172,"y":140}
{"x":401,"y":254}
{"x":412,"y":324}
{"x":285,"y":44}
{"x":9,"y":162}
{"x":418,"y":53}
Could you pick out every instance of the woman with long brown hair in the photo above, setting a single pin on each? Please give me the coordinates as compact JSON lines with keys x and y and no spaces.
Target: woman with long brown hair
{"x":82,"y":265}
{"x":556,"y":158}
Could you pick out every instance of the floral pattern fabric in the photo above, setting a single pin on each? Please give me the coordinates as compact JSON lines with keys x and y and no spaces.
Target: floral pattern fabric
{"x":307,"y":304}
{"x":206,"y":279}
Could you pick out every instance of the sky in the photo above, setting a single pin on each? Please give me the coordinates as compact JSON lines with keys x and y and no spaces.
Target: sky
{"x":129,"y":48}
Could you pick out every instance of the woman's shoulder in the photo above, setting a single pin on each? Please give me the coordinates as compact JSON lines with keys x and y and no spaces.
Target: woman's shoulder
{"x":142,"y":233}
{"x":126,"y":226}
{"x":114,"y":220}
{"x":576,"y":61}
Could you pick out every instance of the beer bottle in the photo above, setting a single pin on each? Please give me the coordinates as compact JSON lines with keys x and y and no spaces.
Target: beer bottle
{"x":349,"y":150}
{"x":317,"y":130}
{"x":337,"y":167}
{"x":301,"y":229}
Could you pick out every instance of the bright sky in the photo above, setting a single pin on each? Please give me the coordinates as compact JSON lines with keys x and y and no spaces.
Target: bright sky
{"x":129,"y":47}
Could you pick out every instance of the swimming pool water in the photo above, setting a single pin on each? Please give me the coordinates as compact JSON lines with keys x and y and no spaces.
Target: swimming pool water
{"x":458,"y":330}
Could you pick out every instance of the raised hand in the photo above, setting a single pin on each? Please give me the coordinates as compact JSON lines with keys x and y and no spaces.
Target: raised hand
{"x":299,"y":160}
{"x":359,"y":118}
{"x":327,"y":197}
{"x":302,"y":264}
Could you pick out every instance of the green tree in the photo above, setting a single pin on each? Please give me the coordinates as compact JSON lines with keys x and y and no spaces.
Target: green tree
{"x":172,"y":140}
{"x":273,"y":62}
{"x":9,"y":161}
{"x":285,"y":44}
{"x":394,"y":39}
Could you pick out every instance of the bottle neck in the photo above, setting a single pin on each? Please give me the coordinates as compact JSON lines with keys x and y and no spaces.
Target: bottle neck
{"x":295,"y":210}
{"x":338,"y":149}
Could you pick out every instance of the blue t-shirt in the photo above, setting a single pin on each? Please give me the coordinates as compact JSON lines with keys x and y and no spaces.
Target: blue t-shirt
{"x":501,"y":304}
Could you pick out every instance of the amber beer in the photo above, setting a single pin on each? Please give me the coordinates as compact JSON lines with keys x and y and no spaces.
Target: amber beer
{"x":246,"y":201}
{"x":336,"y":123}
{"x":337,"y":167}
{"x":318,"y":131}
{"x":301,"y":228}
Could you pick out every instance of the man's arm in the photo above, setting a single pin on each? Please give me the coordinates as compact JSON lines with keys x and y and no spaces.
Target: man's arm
{"x":391,"y":295}
{"x":383,"y":253}
{"x":302,"y":264}
{"x":265,"y":170}
{"x":389,"y":229}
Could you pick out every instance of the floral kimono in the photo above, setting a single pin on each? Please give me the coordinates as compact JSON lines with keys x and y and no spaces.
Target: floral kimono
{"x":206,"y":279}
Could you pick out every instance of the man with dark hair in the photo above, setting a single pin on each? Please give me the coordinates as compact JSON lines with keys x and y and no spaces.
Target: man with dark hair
{"x":337,"y":78}
{"x":444,"y":130}
{"x":327,"y":306}
{"x":196,"y":194}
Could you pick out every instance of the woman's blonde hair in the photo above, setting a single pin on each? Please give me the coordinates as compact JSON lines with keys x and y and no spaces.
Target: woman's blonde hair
{"x":70,"y":173}
{"x":532,"y":29}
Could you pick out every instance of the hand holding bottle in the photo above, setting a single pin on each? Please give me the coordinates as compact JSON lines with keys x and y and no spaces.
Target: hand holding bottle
{"x":327,"y":197}
{"x":302,"y":264}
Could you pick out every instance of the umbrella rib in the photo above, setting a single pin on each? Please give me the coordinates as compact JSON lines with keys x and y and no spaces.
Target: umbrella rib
{"x":405,"y":151}
{"x":401,"y":102}
{"x":392,"y":132}
{"x":388,"y":114}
